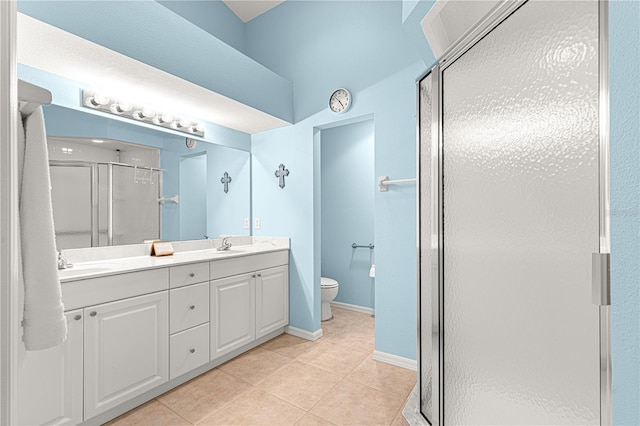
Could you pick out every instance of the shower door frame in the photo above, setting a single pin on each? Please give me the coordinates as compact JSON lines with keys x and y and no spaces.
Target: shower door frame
{"x":499,"y":14}
{"x":93,"y":167}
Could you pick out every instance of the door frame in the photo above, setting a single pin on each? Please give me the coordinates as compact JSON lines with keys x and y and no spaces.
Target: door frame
{"x":500,"y":13}
{"x":9,"y":279}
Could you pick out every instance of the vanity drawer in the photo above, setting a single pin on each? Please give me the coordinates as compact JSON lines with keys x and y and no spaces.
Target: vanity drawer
{"x":94,"y":291}
{"x":189,"y":349}
{"x":188,"y":307}
{"x":180,"y":276}
{"x":244,"y":264}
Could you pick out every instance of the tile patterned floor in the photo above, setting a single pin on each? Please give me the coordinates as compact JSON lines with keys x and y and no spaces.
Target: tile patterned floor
{"x":291,"y":381}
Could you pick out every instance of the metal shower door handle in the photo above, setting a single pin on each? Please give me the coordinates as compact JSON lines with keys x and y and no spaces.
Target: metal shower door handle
{"x":601,"y":279}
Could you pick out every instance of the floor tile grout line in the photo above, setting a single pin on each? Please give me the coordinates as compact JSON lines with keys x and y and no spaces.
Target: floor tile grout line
{"x":172,"y":410}
{"x":224,"y":405}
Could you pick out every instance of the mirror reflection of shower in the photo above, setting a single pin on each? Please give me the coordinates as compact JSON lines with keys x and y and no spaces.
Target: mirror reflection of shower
{"x":193,"y":196}
{"x":104,"y":192}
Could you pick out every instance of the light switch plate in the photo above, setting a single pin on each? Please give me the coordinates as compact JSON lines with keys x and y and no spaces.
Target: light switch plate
{"x":246,"y":223}
{"x":256,"y":223}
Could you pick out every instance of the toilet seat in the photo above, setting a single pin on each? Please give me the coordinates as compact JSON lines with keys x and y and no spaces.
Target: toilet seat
{"x":328,"y":282}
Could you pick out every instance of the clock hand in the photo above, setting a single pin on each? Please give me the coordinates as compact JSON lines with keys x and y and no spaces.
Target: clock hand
{"x":341,"y":104}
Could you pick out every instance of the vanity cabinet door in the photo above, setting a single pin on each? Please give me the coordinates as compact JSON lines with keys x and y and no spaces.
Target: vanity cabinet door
{"x":233,"y":302}
{"x":50,"y":381}
{"x":126,"y":350}
{"x":272,"y":300}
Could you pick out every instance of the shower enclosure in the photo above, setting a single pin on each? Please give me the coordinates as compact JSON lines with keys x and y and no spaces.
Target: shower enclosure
{"x":513,"y":149}
{"x":104,"y":204}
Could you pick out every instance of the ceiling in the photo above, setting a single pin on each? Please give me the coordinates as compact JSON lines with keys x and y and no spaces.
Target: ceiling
{"x":48,"y":48}
{"x":246,"y":10}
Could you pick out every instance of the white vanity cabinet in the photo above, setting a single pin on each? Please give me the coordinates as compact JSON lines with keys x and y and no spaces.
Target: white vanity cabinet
{"x":233,"y":302}
{"x":50,"y":381}
{"x":133,"y":335}
{"x":126,"y":350}
{"x":188,"y":317}
{"x":272,"y":300}
{"x":251,"y":301}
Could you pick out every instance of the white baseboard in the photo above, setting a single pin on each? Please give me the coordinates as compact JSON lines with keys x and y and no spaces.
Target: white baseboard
{"x":298,"y":332}
{"x":409,"y":364}
{"x":354,"y":308}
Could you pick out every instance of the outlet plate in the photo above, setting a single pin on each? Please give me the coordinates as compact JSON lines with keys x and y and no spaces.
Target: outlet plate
{"x":246,"y":223}
{"x":256,"y":223}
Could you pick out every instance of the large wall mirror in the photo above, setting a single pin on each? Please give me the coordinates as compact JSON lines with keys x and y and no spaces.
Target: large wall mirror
{"x":117,"y":183}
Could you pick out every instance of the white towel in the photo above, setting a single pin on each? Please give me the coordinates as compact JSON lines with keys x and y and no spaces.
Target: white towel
{"x":44,"y":324}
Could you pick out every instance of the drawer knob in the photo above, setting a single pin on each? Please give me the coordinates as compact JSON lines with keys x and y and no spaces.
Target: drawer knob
{"x":77,"y":317}
{"x":192,"y":307}
{"x":259,"y":275}
{"x":192,"y":275}
{"x":192,"y":350}
{"x":253,"y":276}
{"x":93,"y":313}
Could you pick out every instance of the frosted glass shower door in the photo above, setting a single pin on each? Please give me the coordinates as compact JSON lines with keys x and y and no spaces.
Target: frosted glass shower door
{"x":135,"y":211}
{"x":521,"y":220}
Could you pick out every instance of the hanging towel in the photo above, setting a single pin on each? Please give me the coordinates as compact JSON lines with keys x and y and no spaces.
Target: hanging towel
{"x":44,"y":324}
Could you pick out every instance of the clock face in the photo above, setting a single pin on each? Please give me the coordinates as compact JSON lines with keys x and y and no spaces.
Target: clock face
{"x":191,"y":143}
{"x":340,"y":101}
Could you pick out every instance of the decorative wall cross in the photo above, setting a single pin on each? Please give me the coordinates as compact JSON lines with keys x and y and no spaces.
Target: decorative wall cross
{"x":225,"y":180}
{"x":281,"y":173}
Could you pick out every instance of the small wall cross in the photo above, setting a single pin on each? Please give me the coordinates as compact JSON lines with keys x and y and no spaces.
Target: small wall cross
{"x":281,"y":173}
{"x":225,"y":180}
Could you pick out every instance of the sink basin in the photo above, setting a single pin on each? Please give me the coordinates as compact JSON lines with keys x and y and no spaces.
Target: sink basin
{"x":89,"y":269}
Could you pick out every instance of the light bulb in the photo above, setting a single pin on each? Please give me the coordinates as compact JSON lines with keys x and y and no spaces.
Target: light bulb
{"x":120,"y":107}
{"x":199,"y":127}
{"x":184,"y":123}
{"x":166,"y":118}
{"x":148,"y":112}
{"x":91,"y":102}
{"x":100,"y":99}
{"x":144,"y":114}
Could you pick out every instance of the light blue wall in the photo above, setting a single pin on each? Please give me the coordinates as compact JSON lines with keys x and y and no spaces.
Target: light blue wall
{"x":372,"y":57}
{"x":347,"y":189}
{"x":625,"y":209}
{"x":153,"y":34}
{"x":322,"y":45}
{"x":213,"y":16}
{"x":228,"y":211}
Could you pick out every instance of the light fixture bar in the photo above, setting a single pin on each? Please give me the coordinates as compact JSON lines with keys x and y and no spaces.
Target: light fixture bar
{"x":102,"y":102}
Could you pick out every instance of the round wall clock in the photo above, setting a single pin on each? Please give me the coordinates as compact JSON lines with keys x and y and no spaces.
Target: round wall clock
{"x":191,"y":143}
{"x":340,"y":101}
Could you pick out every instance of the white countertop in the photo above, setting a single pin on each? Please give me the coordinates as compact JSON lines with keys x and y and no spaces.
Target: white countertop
{"x":119,"y":265}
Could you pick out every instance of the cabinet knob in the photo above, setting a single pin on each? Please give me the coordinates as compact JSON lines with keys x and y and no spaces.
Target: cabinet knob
{"x":93,"y":313}
{"x":77,"y":317}
{"x":192,"y":350}
{"x":192,"y":275}
{"x":253,"y":276}
{"x":192,"y":307}
{"x":259,"y":275}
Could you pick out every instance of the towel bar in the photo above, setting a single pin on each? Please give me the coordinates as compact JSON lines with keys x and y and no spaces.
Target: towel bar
{"x":354,"y":245}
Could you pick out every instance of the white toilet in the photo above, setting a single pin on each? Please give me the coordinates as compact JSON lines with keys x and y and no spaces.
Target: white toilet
{"x":328,"y":292}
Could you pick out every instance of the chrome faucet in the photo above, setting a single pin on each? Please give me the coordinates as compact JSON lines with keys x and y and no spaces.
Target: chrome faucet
{"x":62,"y":262}
{"x":226,"y":245}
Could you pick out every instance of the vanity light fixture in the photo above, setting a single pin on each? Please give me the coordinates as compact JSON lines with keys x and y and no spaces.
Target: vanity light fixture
{"x":104,"y":103}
